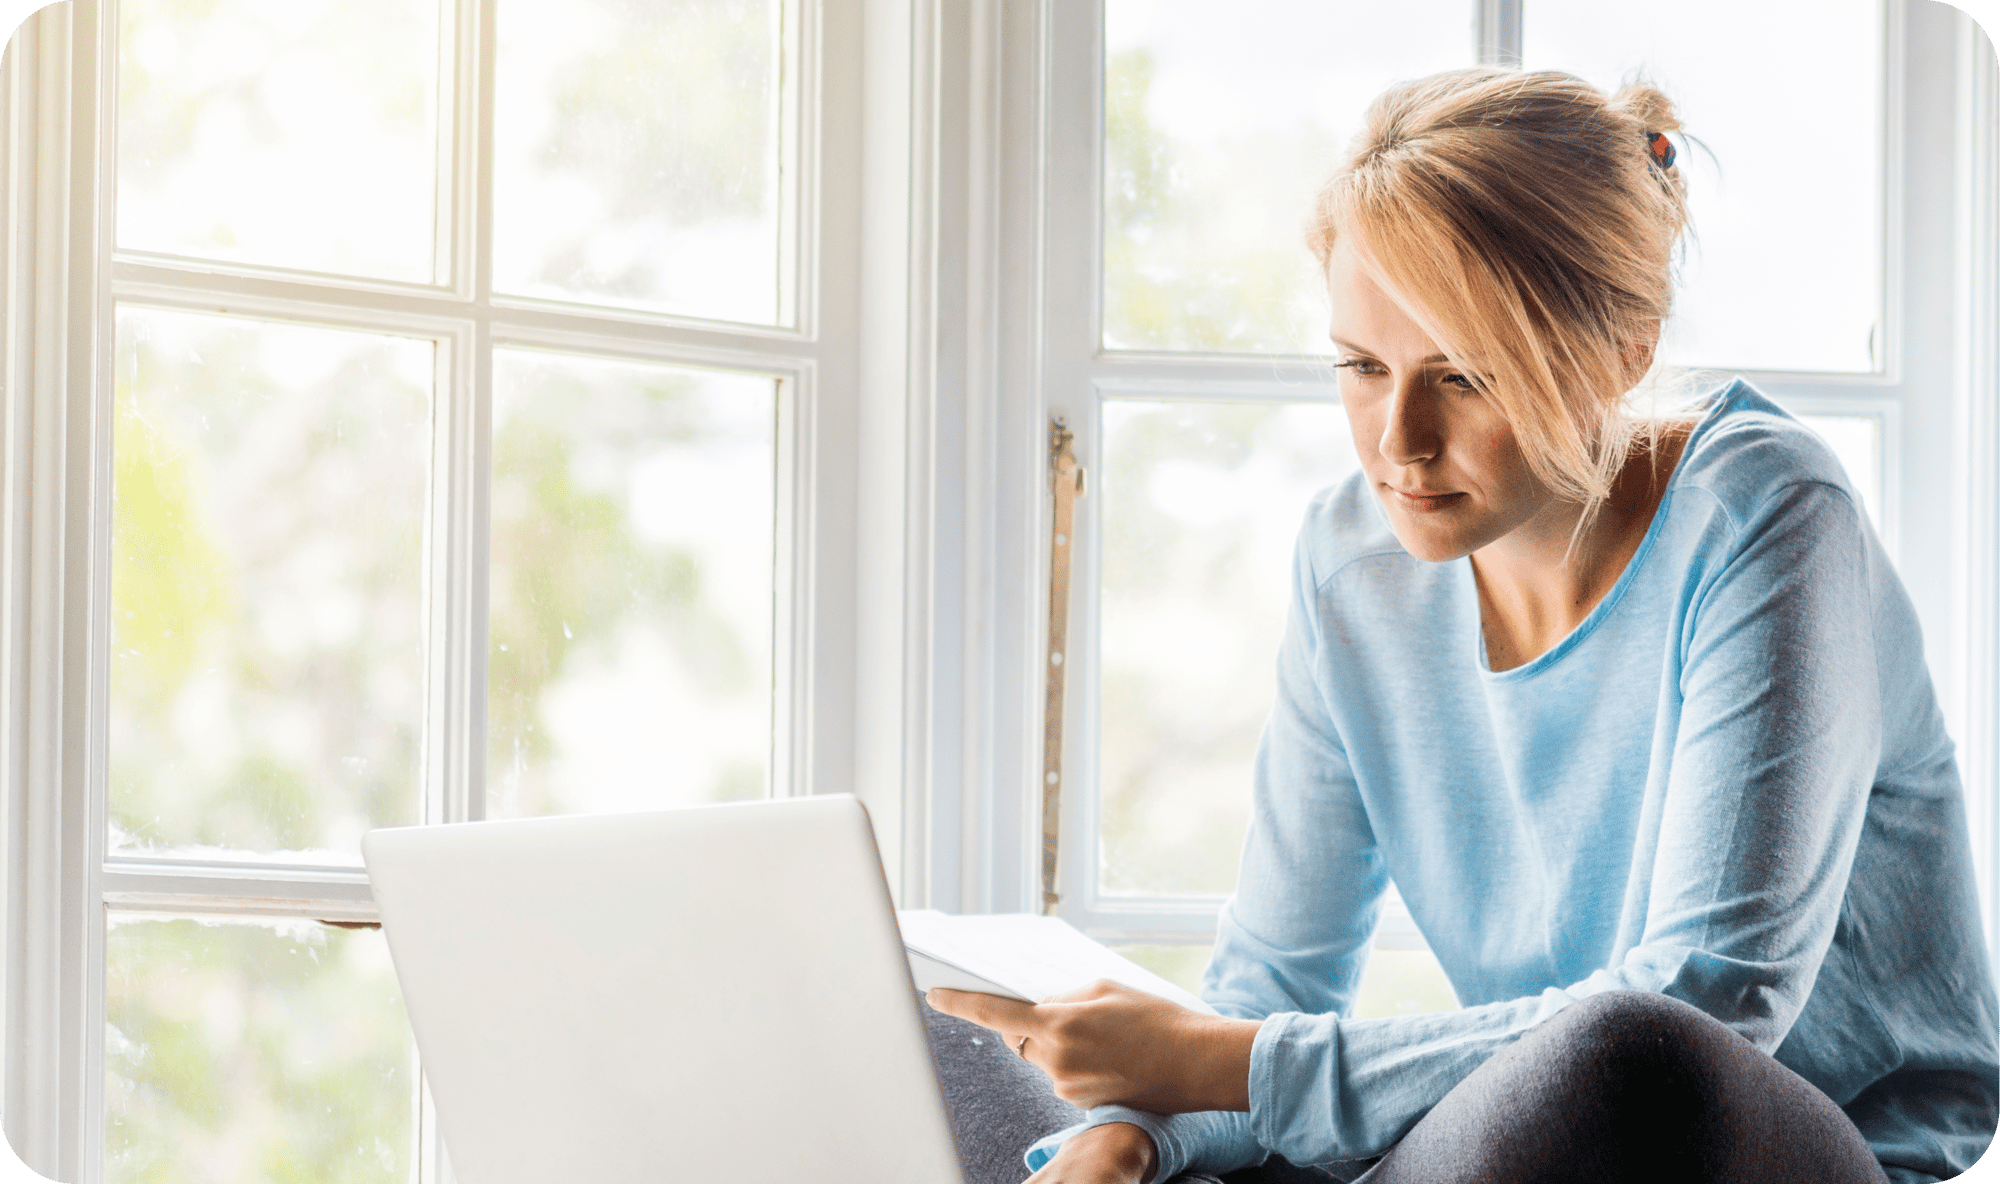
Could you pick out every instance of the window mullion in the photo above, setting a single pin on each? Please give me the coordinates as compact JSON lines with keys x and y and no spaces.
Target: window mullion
{"x":454,"y":741}
{"x":461,"y":469}
{"x":1071,"y":329}
{"x":458,"y":194}
{"x":1496,"y":32}
{"x":797,"y":109}
{"x":476,"y":58}
{"x":323,"y":894}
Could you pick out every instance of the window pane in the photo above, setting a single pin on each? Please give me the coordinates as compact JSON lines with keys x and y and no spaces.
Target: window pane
{"x":300,"y":134}
{"x":1403,"y":982}
{"x":1396,"y":982}
{"x":1181,"y":965}
{"x":1220,"y":124}
{"x":252,"y":1051}
{"x":1202,"y":502}
{"x":1772,"y":282}
{"x":638,"y":156}
{"x":631,"y":603}
{"x":267,"y":545}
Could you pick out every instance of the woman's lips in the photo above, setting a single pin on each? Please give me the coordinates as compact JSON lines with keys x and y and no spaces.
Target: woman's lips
{"x":1422,"y":501}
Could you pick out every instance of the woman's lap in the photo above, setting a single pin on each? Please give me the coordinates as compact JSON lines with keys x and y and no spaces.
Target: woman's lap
{"x":1632,"y":1086}
{"x":1621,"y":1086}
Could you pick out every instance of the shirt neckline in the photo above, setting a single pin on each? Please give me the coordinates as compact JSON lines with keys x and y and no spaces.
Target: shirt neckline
{"x":1603,"y":609}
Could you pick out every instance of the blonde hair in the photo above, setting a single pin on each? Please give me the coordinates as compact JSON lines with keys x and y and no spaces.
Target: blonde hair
{"x":1522,"y":218}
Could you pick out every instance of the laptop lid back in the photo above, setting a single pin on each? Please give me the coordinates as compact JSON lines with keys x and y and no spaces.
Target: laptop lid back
{"x":717,"y":993}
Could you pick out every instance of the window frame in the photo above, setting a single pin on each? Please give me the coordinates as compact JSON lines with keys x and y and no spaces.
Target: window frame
{"x":1975,"y":486}
{"x":64,"y":282}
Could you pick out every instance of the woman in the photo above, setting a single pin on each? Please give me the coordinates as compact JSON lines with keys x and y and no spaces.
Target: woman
{"x":1633,"y":711}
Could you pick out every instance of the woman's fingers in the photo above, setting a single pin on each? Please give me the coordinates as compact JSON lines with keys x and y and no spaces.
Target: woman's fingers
{"x":1110,"y":1043}
{"x":988,"y":1011}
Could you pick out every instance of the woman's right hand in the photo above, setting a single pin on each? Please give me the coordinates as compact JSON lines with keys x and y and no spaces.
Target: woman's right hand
{"x":1115,"y":1153}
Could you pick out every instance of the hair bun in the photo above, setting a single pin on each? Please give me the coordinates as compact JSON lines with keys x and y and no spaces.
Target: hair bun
{"x":1648,"y":106}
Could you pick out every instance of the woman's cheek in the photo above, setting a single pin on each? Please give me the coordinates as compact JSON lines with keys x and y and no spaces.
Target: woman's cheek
{"x":1504,"y":466}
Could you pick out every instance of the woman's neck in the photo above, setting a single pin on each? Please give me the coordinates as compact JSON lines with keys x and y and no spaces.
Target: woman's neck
{"x":1541,"y":580}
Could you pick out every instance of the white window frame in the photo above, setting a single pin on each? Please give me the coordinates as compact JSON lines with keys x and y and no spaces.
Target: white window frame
{"x":1975,"y":484}
{"x":57,"y":161}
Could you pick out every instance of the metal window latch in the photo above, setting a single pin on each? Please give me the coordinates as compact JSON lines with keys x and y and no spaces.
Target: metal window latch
{"x":1067,"y":485}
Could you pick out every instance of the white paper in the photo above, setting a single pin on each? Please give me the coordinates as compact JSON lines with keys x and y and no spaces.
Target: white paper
{"x":1019,"y":956}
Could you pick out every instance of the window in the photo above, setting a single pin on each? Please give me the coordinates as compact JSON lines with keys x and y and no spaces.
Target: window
{"x":445,"y":442}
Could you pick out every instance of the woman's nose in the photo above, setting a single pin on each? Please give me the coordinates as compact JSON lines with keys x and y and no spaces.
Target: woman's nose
{"x":1409,"y":431}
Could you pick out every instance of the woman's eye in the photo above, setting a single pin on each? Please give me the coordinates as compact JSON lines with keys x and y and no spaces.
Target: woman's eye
{"x":1361,"y":366}
{"x":1460,"y":382}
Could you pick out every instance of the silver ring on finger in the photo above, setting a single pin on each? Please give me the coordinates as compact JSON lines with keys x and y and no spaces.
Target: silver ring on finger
{"x":1021,"y":1048}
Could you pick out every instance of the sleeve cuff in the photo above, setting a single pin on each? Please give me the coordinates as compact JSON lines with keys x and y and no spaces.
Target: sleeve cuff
{"x":1044,"y":1149}
{"x":1293,"y":1066}
{"x":1208,"y":1142}
{"x":1172,"y":1160}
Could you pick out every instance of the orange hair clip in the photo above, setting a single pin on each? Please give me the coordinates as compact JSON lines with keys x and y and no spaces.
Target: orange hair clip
{"x":1660,"y":149}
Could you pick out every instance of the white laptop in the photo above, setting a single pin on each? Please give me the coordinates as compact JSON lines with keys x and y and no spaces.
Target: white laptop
{"x":710,"y":994}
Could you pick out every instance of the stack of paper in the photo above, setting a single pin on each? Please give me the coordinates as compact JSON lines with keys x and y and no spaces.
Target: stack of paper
{"x":1019,"y":956}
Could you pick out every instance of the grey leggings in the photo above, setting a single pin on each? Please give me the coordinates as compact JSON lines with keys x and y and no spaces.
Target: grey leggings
{"x":1624,"y":1086}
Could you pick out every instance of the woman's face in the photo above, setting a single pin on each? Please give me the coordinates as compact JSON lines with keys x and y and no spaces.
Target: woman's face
{"x":1440,"y":457}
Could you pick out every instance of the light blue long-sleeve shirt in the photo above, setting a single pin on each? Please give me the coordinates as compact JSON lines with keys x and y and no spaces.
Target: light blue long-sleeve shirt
{"x":1730,"y":784}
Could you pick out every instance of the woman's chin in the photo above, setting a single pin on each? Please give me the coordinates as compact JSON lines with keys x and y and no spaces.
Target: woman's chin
{"x":1431,"y":546}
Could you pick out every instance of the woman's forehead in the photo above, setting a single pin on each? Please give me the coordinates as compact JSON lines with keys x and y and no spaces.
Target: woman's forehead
{"x":1364,"y":315}
{"x":1368,"y":316}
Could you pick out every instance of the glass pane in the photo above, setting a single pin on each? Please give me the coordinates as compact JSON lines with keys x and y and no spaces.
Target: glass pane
{"x":301,"y":134}
{"x":1403,"y":982}
{"x":253,"y":1051}
{"x":1857,"y":441}
{"x":631,"y":604}
{"x":1771,"y":282}
{"x":1201,"y":504}
{"x":267,"y":546}
{"x":1179,"y":965}
{"x":1220,"y":124}
{"x":1396,"y":982}
{"x":638,"y":156}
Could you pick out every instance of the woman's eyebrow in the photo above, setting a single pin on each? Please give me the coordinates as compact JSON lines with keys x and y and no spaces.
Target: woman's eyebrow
{"x":1433,"y":360}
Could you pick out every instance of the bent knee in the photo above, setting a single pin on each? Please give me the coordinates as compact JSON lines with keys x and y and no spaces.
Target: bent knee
{"x":1639,"y":1031}
{"x":1645,"y":1013}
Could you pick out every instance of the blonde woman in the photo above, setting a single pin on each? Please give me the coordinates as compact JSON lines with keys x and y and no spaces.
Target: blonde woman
{"x":1632,"y":710}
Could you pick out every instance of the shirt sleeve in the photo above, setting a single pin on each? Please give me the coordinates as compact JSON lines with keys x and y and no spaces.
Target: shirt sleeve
{"x":1295,"y":935}
{"x":1776,"y":745}
{"x":1212,"y":1141}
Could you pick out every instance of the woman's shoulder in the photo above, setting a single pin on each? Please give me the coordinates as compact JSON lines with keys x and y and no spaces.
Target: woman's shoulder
{"x":1343,"y":525}
{"x":1746,"y":450}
